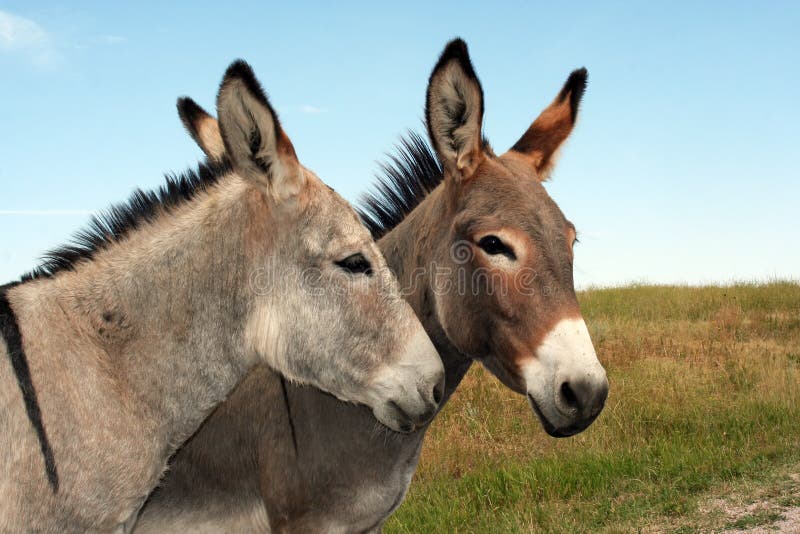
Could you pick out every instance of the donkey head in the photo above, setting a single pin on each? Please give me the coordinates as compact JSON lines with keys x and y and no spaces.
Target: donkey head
{"x":507,"y":239}
{"x":325,"y":308}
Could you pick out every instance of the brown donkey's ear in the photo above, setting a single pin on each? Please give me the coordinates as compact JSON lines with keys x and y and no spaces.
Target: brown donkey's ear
{"x":203,"y":128}
{"x":258,"y":148}
{"x":454,"y":112}
{"x":551,"y":128}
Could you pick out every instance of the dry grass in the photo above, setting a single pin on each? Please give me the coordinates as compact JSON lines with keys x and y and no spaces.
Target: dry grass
{"x":705,"y":390}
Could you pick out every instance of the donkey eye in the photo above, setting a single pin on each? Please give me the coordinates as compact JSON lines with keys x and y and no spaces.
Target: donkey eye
{"x":492,"y":245}
{"x":355,"y":264}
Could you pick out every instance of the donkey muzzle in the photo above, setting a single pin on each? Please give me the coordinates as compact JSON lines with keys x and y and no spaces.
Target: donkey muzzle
{"x":566,"y":385}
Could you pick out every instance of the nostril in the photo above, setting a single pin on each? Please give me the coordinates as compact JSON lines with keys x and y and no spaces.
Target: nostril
{"x":438,"y":392}
{"x":600,"y":401}
{"x":569,"y":397}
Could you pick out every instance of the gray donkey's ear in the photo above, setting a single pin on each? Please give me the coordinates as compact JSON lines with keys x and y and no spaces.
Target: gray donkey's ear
{"x":203,"y":128}
{"x":258,"y":148}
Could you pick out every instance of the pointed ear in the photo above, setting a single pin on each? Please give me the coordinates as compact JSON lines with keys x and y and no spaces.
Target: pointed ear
{"x":258,"y":148}
{"x":551,"y":128}
{"x":203,"y":128}
{"x":454,"y":112}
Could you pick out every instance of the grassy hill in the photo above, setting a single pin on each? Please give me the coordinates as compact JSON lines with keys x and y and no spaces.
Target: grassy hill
{"x":705,"y":394}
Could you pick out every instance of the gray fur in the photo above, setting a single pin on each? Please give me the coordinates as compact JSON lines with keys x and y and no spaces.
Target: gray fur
{"x":131,"y":351}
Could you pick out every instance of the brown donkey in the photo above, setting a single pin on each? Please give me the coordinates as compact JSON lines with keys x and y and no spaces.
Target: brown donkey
{"x":135,"y":333}
{"x":486,"y":257}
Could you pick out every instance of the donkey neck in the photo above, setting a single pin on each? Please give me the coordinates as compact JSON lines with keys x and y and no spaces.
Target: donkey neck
{"x":164,"y":308}
{"x":409,"y":250}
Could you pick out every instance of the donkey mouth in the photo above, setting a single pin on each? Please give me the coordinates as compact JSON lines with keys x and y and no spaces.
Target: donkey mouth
{"x":554,"y":431}
{"x":405,"y":423}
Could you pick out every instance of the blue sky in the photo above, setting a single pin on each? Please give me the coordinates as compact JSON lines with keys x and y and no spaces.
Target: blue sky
{"x":682,"y":167}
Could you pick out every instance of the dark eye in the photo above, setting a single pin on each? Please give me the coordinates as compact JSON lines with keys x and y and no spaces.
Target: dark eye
{"x":492,"y":245}
{"x":356,"y":264}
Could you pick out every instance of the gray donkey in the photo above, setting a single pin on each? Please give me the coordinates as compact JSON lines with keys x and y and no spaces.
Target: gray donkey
{"x":117,"y":348}
{"x":485,"y":257}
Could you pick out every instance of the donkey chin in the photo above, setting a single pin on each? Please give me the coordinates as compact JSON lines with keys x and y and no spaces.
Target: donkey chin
{"x":565,"y":382}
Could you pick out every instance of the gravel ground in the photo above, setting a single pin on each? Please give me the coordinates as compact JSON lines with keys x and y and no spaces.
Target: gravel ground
{"x":766,"y":507}
{"x":772,"y":514}
{"x":787,"y":522}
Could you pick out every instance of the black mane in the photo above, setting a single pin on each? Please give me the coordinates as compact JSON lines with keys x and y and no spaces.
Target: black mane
{"x":409,"y":175}
{"x":404,"y":181}
{"x":119,"y":220}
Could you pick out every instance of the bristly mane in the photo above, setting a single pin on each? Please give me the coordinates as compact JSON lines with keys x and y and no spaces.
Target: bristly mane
{"x":119,"y":220}
{"x":410,"y":173}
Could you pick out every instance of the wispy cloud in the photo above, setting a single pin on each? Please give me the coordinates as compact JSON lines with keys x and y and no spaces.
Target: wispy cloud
{"x":308,"y":109}
{"x":24,"y":36}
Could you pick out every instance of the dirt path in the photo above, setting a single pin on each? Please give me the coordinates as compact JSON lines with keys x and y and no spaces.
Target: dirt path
{"x":764,"y":516}
{"x":788,"y":523}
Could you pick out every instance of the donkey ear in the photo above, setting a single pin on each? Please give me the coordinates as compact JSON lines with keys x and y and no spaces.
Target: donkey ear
{"x":454,"y":111}
{"x":203,"y":128}
{"x":551,"y":128}
{"x":258,"y":148}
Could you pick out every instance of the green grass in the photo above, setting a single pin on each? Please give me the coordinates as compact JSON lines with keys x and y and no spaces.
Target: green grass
{"x":705,"y":390}
{"x":755,"y":520}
